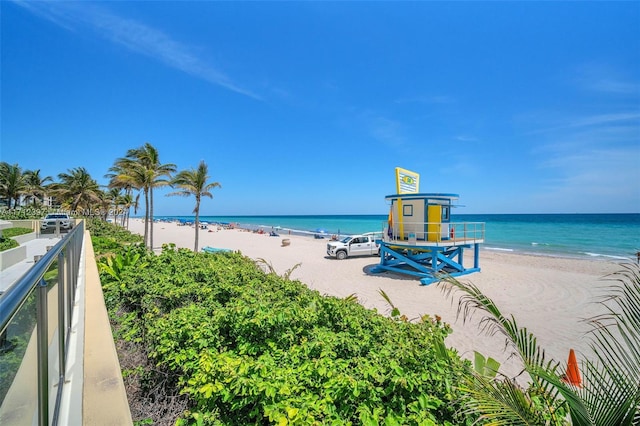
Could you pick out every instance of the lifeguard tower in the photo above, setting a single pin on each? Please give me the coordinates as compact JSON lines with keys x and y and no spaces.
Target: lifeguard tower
{"x":420,"y":239}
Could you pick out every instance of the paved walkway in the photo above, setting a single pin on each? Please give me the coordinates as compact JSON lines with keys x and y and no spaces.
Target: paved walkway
{"x":35,"y":247}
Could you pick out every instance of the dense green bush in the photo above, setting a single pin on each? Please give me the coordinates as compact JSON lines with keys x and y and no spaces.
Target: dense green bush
{"x":249,"y":347}
{"x":109,"y":238}
{"x":7,"y":243}
{"x":14,"y":232}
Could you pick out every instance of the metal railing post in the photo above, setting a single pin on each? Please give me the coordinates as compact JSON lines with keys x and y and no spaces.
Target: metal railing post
{"x":43,"y":352}
{"x":61,"y":313}
{"x":62,"y":353}
{"x":74,"y":270}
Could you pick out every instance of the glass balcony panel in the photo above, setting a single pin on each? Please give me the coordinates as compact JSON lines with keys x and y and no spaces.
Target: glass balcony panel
{"x":19,"y":367}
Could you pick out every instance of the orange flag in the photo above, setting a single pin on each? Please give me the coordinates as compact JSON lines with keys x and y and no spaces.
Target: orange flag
{"x":573,"y":373}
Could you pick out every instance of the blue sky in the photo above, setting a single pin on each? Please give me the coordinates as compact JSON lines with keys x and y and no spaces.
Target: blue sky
{"x":307,"y":107}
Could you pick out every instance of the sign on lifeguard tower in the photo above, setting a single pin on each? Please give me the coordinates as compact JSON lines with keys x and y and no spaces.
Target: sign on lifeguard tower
{"x":407,"y":182}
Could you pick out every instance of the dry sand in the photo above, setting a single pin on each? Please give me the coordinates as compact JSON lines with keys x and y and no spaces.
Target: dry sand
{"x":548,"y":295}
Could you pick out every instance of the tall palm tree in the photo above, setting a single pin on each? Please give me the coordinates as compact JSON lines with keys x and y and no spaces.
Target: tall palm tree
{"x":142,"y":170}
{"x":194,"y":182}
{"x":127,"y":201}
{"x":77,"y":188}
{"x":114,"y":197}
{"x":35,"y":186}
{"x":129,"y":173}
{"x":12,"y":183}
{"x":610,"y":394}
{"x":121,"y":177}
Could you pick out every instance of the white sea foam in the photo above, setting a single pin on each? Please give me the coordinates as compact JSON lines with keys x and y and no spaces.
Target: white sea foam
{"x":605,"y":255}
{"x":498,"y":249}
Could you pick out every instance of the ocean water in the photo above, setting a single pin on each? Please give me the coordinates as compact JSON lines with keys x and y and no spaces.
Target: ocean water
{"x":604,"y":236}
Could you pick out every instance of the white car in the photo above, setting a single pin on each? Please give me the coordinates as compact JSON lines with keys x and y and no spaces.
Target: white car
{"x":355,"y":245}
{"x":50,"y":220}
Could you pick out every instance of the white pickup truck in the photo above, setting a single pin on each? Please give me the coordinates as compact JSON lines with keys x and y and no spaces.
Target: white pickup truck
{"x":354,"y":245}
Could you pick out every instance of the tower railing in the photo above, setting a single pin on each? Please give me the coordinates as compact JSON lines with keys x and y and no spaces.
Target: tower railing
{"x":434,"y":234}
{"x":35,"y":332}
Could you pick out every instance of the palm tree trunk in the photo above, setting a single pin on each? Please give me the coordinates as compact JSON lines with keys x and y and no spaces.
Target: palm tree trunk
{"x":197,"y":210}
{"x":146,"y":217}
{"x":151,"y":217}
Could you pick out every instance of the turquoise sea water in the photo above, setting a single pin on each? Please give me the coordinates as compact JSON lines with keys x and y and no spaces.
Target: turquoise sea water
{"x":605,"y":236}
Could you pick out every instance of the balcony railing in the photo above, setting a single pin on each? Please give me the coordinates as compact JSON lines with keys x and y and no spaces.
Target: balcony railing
{"x":434,"y":234}
{"x":35,"y":329}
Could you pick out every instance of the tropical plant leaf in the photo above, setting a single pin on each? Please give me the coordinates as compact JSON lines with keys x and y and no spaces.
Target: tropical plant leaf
{"x":612,"y":382}
{"x":502,"y":403}
{"x":522,"y":343}
{"x":610,"y":394}
{"x":395,"y":312}
{"x":487,"y":367}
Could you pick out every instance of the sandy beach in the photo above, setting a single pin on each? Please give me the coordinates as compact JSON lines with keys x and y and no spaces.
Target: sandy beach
{"x":548,"y":295}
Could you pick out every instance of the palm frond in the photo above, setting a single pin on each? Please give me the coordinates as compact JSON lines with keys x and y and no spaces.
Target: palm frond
{"x":521,"y":342}
{"x":500,"y":402}
{"x":612,"y":388}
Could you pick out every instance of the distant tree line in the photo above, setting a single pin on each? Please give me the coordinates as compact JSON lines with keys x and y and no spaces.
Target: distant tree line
{"x":136,"y":174}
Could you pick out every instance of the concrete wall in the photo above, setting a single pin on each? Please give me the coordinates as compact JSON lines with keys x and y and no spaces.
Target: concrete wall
{"x":26,"y":223}
{"x":12,"y":256}
{"x":105,"y":398}
{"x":21,"y":239}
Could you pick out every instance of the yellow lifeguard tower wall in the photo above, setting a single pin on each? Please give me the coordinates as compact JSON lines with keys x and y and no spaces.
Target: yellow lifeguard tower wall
{"x":434,"y":217}
{"x":410,"y":212}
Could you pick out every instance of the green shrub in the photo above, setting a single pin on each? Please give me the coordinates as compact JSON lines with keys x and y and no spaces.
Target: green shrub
{"x":109,"y":238}
{"x":7,"y":243}
{"x":14,"y":232}
{"x":254,"y":348}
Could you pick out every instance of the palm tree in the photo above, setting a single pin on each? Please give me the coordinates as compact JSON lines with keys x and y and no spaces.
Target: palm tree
{"x":121,"y":177}
{"x":77,"y":188}
{"x":12,"y":183}
{"x":35,"y":186}
{"x":114,"y":197}
{"x":194,"y":182}
{"x":127,"y":201}
{"x":610,"y":394}
{"x":142,"y":170}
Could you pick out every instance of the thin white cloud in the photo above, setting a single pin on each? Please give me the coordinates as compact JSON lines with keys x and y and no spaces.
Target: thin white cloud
{"x":596,"y":161}
{"x":387,"y":131}
{"x":598,"y":178}
{"x":133,"y":35}
{"x":436,"y":99}
{"x":601,"y":119}
{"x":466,"y":138}
{"x":598,"y":120}
{"x":605,"y":79}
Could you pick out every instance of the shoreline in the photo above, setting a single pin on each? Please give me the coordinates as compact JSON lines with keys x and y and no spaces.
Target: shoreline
{"x":588,"y":249}
{"x":550,"y":296}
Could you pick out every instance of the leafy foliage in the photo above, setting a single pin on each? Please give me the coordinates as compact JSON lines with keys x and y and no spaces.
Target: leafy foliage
{"x":14,"y":232}
{"x":610,"y":395}
{"x":250,"y":347}
{"x":7,"y":243}
{"x":109,"y":238}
